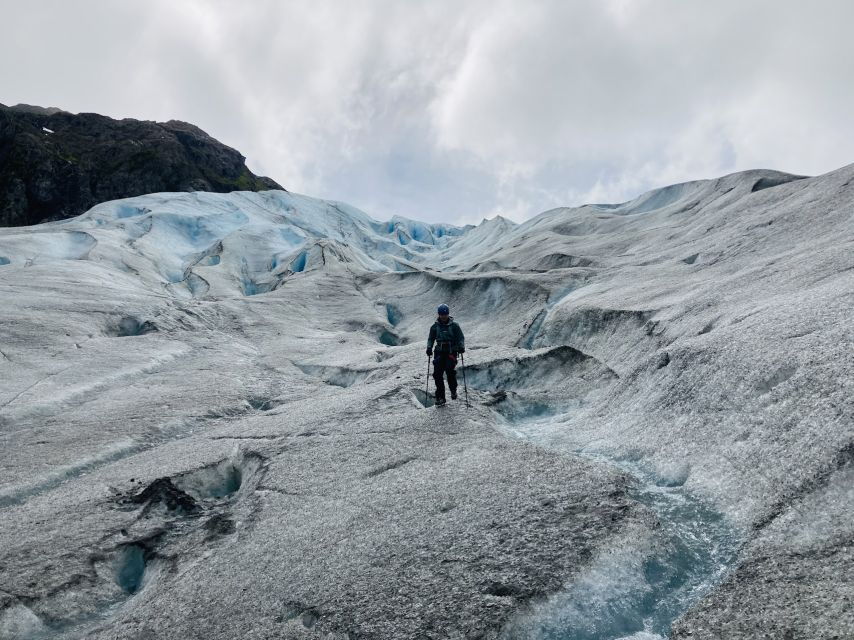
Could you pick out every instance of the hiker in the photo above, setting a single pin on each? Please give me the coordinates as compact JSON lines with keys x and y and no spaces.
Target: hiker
{"x":449,"y":340}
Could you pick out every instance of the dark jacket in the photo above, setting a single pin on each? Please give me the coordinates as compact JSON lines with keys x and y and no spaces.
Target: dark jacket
{"x":447,"y":336}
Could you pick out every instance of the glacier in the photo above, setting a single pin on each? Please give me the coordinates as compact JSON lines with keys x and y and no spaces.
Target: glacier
{"x":214,"y":422}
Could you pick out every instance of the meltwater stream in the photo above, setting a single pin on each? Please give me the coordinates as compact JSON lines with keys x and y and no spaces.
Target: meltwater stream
{"x":637,"y":589}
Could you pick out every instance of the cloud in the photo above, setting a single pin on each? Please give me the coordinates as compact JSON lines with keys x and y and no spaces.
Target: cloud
{"x":454,"y":111}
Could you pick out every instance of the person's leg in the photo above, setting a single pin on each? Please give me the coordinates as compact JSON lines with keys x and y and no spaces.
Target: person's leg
{"x":438,"y":375}
{"x":452,"y":376}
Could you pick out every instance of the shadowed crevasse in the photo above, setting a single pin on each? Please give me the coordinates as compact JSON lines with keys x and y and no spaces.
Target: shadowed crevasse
{"x":130,"y":569}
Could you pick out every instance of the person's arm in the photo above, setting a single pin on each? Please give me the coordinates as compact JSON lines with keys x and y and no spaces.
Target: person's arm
{"x":431,"y":338}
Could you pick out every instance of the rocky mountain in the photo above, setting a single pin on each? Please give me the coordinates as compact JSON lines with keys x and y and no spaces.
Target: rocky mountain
{"x":56,"y":165}
{"x":216,"y":420}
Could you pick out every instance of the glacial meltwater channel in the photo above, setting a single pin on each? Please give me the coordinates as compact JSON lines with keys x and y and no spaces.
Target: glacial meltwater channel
{"x":638,"y":588}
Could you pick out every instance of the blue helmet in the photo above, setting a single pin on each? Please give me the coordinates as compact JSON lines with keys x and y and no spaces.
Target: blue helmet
{"x":443,"y":310}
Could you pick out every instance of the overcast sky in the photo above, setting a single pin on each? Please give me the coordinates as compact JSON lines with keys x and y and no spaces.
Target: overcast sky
{"x":455,"y":110}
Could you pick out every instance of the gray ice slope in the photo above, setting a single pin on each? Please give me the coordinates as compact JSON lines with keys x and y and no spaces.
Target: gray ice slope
{"x":213,"y":421}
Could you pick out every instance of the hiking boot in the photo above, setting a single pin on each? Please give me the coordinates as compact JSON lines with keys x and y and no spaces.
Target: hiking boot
{"x":453,"y":394}
{"x":440,"y":402}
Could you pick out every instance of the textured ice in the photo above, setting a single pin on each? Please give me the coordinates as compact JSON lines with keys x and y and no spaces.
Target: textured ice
{"x":222,"y":243}
{"x":680,"y":364}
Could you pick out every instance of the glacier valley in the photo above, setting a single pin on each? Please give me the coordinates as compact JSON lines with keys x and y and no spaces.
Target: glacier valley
{"x":214,"y":419}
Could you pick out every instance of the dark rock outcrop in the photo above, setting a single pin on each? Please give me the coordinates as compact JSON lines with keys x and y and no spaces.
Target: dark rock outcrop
{"x":55,"y":165}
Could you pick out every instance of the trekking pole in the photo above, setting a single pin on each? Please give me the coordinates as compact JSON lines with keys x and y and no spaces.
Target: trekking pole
{"x":465,"y":386}
{"x":427,"y":388}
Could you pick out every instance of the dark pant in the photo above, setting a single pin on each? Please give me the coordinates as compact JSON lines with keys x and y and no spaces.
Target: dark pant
{"x":444,"y":362}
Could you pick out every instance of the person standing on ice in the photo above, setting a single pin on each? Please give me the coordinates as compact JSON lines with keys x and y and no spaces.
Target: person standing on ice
{"x":448,"y":338}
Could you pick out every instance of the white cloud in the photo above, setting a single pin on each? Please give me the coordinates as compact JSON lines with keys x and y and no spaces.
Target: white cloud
{"x":455,"y":111}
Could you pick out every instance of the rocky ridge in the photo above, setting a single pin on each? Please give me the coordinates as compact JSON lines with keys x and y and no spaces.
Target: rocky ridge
{"x":56,"y":165}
